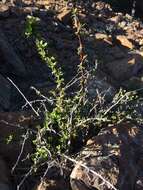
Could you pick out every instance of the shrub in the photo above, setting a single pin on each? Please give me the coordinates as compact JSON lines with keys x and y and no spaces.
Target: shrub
{"x":72,"y":117}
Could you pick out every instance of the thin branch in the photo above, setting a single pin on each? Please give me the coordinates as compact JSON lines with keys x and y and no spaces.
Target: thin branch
{"x":24,"y":178}
{"x":23,"y":96}
{"x":21,"y":151}
{"x":51,"y":101}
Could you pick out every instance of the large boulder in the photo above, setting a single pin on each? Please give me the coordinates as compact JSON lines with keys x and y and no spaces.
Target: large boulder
{"x":124,"y":69}
{"x":116,"y":154}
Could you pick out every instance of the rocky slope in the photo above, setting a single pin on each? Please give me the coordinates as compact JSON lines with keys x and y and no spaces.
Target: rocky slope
{"x":113,"y":42}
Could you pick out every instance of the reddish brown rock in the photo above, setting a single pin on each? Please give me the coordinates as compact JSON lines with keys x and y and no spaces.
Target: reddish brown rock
{"x":4,"y":10}
{"x":116,"y":19}
{"x":116,"y":154}
{"x":65,"y":15}
{"x":124,"y":41}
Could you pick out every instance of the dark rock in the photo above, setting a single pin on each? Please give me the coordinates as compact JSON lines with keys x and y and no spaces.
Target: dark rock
{"x":133,"y":83}
{"x":139,"y":5}
{"x":4,"y":176}
{"x":4,"y":187}
{"x":5,"y":93}
{"x":10,"y":56}
{"x":97,"y":85}
{"x":14,"y":127}
{"x":124,"y":69}
{"x":116,"y":154}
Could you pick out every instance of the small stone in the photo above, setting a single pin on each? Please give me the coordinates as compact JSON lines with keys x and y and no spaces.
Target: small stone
{"x":116,"y":19}
{"x":141,"y":42}
{"x":47,"y":184}
{"x":4,"y":10}
{"x":64,"y":15}
{"x":100,"y":36}
{"x":124,"y":41}
{"x":104,"y":37}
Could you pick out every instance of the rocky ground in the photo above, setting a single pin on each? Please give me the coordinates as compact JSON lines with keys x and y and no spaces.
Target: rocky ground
{"x":113,"y":42}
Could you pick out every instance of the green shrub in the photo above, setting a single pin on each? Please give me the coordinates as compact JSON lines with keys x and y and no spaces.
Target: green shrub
{"x":70,"y":118}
